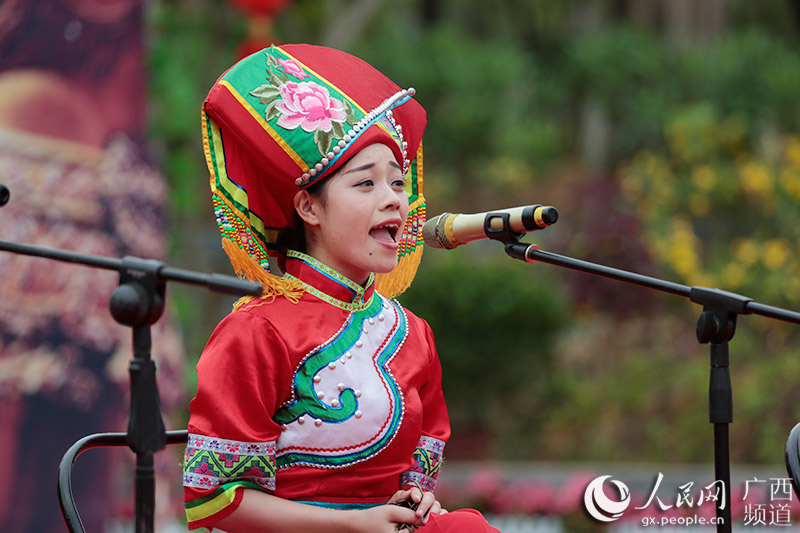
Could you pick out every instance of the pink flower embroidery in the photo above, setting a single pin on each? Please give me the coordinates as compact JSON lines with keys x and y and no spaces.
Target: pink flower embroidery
{"x":232,"y":447}
{"x":291,"y":68}
{"x":309,"y":106}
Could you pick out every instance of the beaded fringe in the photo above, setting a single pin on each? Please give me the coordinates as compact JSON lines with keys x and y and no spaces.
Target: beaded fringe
{"x":247,"y":267}
{"x":393,"y":283}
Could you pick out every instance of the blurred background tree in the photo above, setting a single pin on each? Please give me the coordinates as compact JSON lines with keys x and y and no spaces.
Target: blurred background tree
{"x":666,"y":132}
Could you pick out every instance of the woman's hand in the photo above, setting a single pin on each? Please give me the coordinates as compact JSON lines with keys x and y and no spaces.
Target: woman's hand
{"x":383,"y":519}
{"x":260,"y":512}
{"x":426,"y":502}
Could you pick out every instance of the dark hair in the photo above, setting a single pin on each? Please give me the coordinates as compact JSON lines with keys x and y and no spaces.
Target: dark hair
{"x":293,"y":237}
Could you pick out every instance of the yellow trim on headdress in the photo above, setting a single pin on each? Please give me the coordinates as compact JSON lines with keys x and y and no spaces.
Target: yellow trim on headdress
{"x":394,"y":283}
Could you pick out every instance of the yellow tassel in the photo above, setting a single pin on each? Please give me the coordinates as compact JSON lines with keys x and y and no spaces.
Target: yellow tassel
{"x":247,"y":267}
{"x":393,"y":283}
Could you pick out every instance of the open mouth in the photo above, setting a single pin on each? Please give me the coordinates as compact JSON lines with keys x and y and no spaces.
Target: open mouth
{"x":385,"y":232}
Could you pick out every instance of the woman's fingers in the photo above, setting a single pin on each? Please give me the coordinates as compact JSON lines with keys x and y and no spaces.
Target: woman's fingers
{"x":398,"y":496}
{"x":428,"y":504}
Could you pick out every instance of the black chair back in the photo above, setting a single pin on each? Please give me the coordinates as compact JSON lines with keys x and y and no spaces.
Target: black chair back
{"x":66,"y":501}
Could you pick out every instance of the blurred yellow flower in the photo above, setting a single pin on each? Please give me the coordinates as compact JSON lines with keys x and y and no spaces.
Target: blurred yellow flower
{"x":746,"y":251}
{"x":682,"y":254}
{"x":683,"y":259}
{"x":755,"y":179}
{"x":790,"y":181}
{"x":630,"y":184}
{"x":776,"y":253}
{"x":733,"y":275}
{"x":704,"y":178}
{"x":792,"y":149}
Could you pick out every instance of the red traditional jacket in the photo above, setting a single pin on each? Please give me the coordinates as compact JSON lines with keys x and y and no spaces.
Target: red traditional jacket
{"x":335,"y":400}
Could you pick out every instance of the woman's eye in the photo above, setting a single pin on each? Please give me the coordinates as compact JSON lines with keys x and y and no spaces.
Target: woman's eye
{"x":365,"y":183}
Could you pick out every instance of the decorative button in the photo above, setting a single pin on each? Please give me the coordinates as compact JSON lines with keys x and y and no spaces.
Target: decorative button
{"x":348,"y":355}
{"x":359,"y":414}
{"x":381,"y":318}
{"x":359,"y":344}
{"x":317,"y":422}
{"x":335,"y":403}
{"x":332,"y":365}
{"x":301,"y":420}
{"x":371,"y":321}
{"x":317,"y":378}
{"x":340,"y":386}
{"x":358,"y":393}
{"x":320,"y":395}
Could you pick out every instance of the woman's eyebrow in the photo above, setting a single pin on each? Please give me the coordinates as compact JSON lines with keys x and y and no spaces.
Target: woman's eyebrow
{"x":362,"y":167}
{"x":368,"y":166}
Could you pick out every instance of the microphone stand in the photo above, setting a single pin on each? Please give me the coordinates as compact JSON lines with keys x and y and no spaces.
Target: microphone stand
{"x":715,"y":326}
{"x":138,"y":303}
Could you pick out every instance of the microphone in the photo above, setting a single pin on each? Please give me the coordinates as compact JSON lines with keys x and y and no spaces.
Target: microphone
{"x":448,"y":230}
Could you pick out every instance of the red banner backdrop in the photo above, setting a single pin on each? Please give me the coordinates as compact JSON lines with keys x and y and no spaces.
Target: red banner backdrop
{"x":72,"y":110}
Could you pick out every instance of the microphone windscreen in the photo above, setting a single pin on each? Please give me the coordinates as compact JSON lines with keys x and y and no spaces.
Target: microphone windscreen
{"x":433,"y":232}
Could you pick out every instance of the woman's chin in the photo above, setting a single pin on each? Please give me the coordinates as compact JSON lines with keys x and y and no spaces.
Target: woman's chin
{"x":385,"y":266}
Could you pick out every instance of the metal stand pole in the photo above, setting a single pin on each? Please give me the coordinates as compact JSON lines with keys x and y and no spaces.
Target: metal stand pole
{"x":138,"y":302}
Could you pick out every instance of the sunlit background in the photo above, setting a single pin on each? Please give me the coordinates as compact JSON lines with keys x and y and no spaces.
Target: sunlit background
{"x":665,"y":132}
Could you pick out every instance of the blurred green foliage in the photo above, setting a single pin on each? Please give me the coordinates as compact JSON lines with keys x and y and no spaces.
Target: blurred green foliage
{"x":495,"y":323}
{"x":699,"y":183}
{"x":190,"y":44}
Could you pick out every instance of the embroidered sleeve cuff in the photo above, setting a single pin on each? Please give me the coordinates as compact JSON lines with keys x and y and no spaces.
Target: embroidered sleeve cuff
{"x":221,"y":466}
{"x":425,"y":465}
{"x":211,"y":462}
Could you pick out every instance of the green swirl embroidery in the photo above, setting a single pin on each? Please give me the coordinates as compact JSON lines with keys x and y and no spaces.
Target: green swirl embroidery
{"x":306,"y":402}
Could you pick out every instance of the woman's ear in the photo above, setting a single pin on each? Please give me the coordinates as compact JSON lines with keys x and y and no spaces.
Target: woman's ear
{"x":307,"y":208}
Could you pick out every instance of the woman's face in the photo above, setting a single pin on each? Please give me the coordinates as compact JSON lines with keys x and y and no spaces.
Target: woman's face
{"x":355,"y":225}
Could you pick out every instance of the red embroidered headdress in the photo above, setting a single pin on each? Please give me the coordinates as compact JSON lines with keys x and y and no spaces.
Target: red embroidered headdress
{"x":288,"y":116}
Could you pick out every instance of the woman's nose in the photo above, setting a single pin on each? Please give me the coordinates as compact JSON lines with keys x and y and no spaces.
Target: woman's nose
{"x":392,"y":199}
